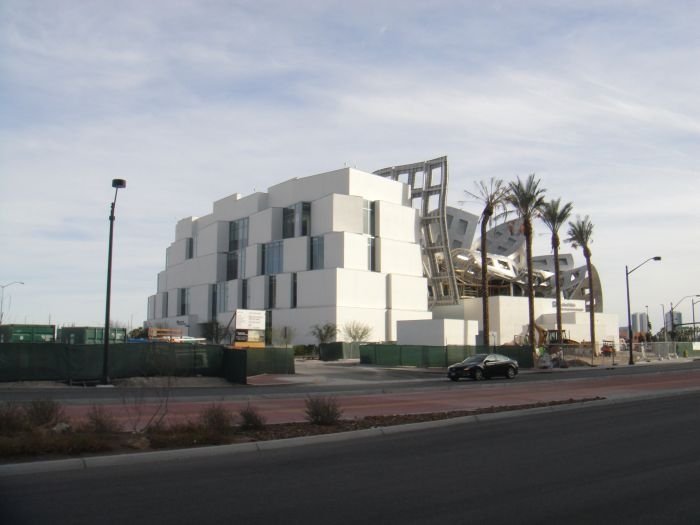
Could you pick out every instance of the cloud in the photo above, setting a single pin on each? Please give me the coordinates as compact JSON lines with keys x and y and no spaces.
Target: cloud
{"x":191,"y":102}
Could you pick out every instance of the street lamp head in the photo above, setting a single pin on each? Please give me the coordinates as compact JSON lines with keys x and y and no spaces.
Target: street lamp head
{"x":657,"y":258}
{"x":118,"y":183}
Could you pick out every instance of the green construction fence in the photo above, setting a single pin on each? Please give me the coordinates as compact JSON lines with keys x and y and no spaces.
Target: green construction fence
{"x":83,"y":363}
{"x":436,"y":356}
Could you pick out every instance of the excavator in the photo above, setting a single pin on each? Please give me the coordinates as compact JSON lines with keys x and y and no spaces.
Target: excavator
{"x":552,"y":343}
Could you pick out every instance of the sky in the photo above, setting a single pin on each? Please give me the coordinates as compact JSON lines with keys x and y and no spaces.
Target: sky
{"x":191,"y":101}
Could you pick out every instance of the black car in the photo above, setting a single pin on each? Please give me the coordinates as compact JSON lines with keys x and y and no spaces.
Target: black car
{"x":480,"y":366}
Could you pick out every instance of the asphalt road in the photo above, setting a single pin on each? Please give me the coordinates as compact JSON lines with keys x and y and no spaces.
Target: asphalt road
{"x":338,"y":378}
{"x":635,"y":462}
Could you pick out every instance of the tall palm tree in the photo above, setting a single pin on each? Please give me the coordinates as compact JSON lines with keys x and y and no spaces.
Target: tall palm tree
{"x":526,"y":197}
{"x":553,"y":214}
{"x":581,"y":234}
{"x":492,"y":195}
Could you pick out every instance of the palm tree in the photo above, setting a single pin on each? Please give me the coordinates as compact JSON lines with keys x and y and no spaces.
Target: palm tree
{"x":492,"y":195}
{"x":580,"y":234}
{"x":526,"y":197}
{"x":554,"y":215}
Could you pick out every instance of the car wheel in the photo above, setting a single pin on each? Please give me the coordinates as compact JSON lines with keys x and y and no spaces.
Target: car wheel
{"x":454,"y":378}
{"x":478,"y":374}
{"x":510,"y":373}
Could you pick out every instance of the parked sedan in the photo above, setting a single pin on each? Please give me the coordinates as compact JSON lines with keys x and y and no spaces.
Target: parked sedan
{"x":480,"y":366}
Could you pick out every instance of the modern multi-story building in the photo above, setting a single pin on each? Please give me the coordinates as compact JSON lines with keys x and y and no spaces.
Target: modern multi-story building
{"x":337,"y":247}
{"x":640,"y":323}
{"x":349,"y":246}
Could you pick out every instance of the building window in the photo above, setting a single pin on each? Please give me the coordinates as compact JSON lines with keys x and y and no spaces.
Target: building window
{"x":235,"y":265}
{"x":165,"y":305}
{"x":271,"y":258}
{"x":293,"y":301}
{"x":271,"y":291}
{"x":243,"y":300}
{"x":288,"y":222}
{"x":316,"y":257}
{"x":238,"y":234}
{"x":296,"y":220}
{"x":368,"y":212}
{"x":221,"y":297}
{"x":213,"y":302}
{"x":189,"y":248}
{"x":184,"y":302}
{"x":371,"y":257}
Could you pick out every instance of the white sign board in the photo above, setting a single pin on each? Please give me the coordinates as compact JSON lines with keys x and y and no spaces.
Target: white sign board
{"x":250,"y":319}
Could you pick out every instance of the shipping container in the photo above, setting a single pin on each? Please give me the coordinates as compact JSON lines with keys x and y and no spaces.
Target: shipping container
{"x":27,"y":333}
{"x":90,"y":335}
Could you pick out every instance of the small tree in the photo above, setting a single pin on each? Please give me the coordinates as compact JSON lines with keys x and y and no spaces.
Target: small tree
{"x":283,"y":336}
{"x":356,"y":331}
{"x":324,"y":333}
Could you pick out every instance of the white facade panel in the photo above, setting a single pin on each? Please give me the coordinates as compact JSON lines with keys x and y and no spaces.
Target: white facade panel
{"x":307,"y":189}
{"x":234,"y":207}
{"x":399,"y":257}
{"x":252,"y":261}
{"x":200,"y":303}
{"x":405,"y":292}
{"x":396,"y":222}
{"x":316,"y":288}
{"x":256,"y":293}
{"x":176,"y":253}
{"x":431,"y":332}
{"x":162,"y":281}
{"x":184,"y":228}
{"x":295,"y":254}
{"x":283,"y":296}
{"x":207,"y":241}
{"x":346,"y":213}
{"x":361,"y":289}
{"x":375,"y":188}
{"x":265,"y":226}
{"x":393,"y":316}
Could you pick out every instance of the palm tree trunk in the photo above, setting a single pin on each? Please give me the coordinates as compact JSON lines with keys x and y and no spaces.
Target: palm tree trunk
{"x":530,"y":290}
{"x":484,"y":284}
{"x":557,"y":288}
{"x":587,"y":255}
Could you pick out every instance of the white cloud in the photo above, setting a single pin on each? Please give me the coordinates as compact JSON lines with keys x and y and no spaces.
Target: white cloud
{"x":192,"y":102}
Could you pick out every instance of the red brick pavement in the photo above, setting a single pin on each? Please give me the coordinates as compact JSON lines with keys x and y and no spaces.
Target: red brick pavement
{"x":460,"y":396}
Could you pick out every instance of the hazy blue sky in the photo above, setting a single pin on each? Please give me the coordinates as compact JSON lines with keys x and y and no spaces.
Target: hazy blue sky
{"x":191,"y":101}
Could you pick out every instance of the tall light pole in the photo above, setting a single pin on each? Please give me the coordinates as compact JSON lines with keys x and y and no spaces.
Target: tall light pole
{"x":694,"y":303}
{"x":663,"y":318}
{"x":2,"y":296}
{"x":629,"y":314}
{"x":116,"y":184}
{"x":673,"y":328}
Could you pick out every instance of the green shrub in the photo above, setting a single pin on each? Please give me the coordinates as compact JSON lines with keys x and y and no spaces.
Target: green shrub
{"x":251,"y":419}
{"x":44,"y":413}
{"x":12,"y":419}
{"x":100,"y":421}
{"x":322,"y":410}
{"x":216,"y":419}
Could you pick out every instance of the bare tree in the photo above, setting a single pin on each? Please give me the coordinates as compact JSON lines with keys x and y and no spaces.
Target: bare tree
{"x":356,"y":331}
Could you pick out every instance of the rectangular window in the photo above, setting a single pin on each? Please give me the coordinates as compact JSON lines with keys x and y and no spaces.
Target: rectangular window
{"x":305,"y":226}
{"x":184,"y":306}
{"x":165,"y":305}
{"x":271,"y":291}
{"x":294,"y":291}
{"x":288,"y":222}
{"x":235,"y":265}
{"x":316,"y":256}
{"x":213,"y":303}
{"x":371,"y":258}
{"x":238,"y":234}
{"x":189,"y":248}
{"x":296,"y":220}
{"x":271,"y":258}
{"x":368,"y":209}
{"x":221,"y":297}
{"x":243,"y":300}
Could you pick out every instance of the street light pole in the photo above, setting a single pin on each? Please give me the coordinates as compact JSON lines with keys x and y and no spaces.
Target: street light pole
{"x":629,"y":314}
{"x":694,"y":303}
{"x":673,"y":328}
{"x":2,"y":296}
{"x":663,"y":318}
{"x":116,"y":184}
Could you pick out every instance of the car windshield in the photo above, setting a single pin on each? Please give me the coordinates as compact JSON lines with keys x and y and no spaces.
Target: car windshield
{"x":478,"y":358}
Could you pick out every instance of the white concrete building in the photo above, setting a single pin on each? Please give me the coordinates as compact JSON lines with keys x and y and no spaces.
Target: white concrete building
{"x":336,"y":247}
{"x":508,"y":318}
